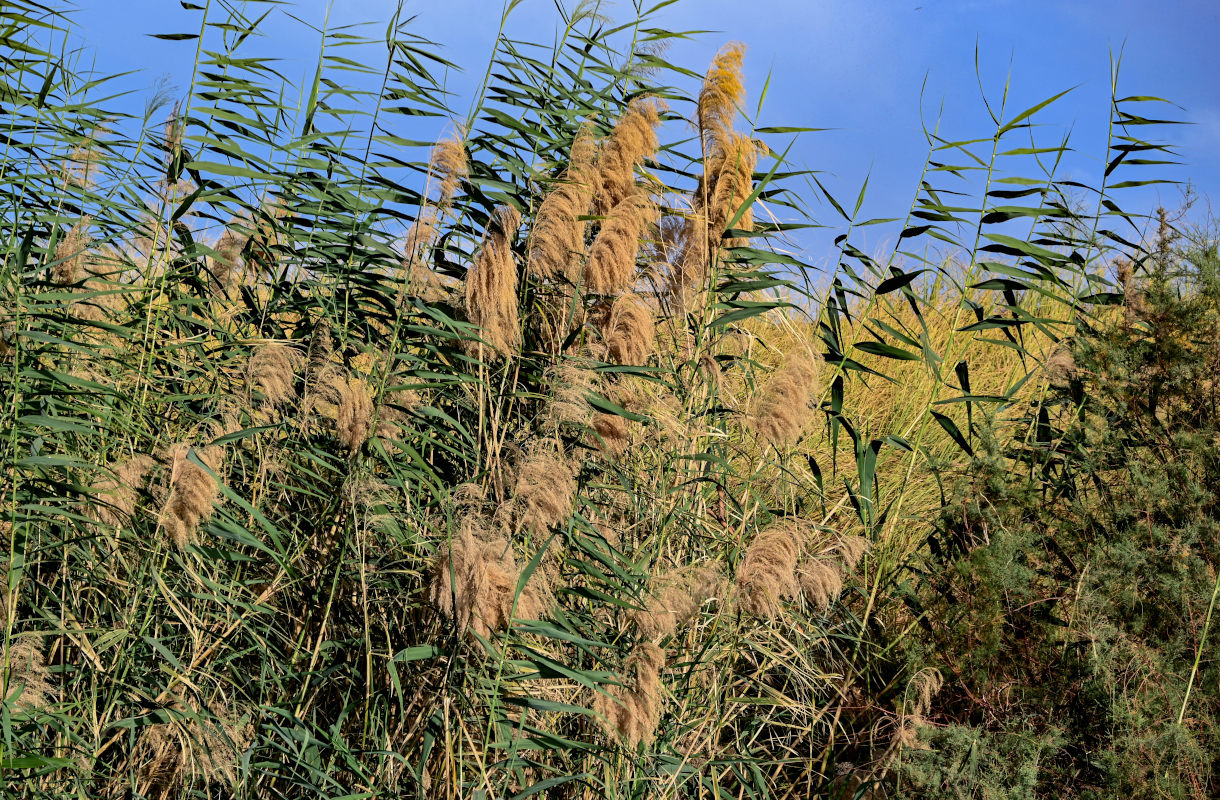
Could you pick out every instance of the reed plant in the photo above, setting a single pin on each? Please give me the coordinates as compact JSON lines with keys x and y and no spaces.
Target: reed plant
{"x":522,"y":461}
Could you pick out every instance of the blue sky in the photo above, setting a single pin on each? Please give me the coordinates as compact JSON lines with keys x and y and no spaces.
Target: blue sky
{"x":856,"y":66}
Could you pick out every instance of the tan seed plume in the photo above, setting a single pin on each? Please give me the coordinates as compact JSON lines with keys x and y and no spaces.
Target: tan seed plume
{"x":558,"y":238}
{"x":25,"y":685}
{"x":722,"y":93}
{"x":633,"y":140}
{"x":632,"y":711}
{"x":474,"y":583}
{"x":271,"y":371}
{"x":631,"y":331}
{"x":354,"y":412}
{"x":449,"y":165}
{"x":545,"y":489}
{"x":767,"y":575}
{"x":193,"y":492}
{"x":170,"y":754}
{"x":784,"y":405}
{"x":674,"y":599}
{"x":118,"y":492}
{"x":72,"y":255}
{"x":613,"y":434}
{"x":491,"y":285}
{"x":610,"y":268}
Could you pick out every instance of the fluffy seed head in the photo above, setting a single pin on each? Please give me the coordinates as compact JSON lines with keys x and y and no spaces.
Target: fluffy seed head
{"x":474,"y":583}
{"x":631,"y":330}
{"x":558,"y":237}
{"x":674,"y":599}
{"x":449,"y":165}
{"x":821,"y":583}
{"x":723,"y":91}
{"x":25,"y":683}
{"x":192,"y":491}
{"x":72,"y":255}
{"x":784,"y":406}
{"x":611,"y":265}
{"x":1061,"y":367}
{"x":491,"y":285}
{"x":271,"y":371}
{"x":206,"y":746}
{"x":633,"y":710}
{"x":545,"y":489}
{"x":117,"y":493}
{"x":354,"y":412}
{"x":613,"y":434}
{"x":632,"y":141}
{"x":768,"y":574}
{"x":227,"y":268}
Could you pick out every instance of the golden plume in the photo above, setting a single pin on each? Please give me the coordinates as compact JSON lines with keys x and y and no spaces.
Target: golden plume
{"x":674,"y":599}
{"x":559,"y":234}
{"x":491,"y":285}
{"x":449,"y":164}
{"x":784,"y":404}
{"x":630,"y":331}
{"x":722,"y":93}
{"x":633,"y":140}
{"x":192,"y":491}
{"x":611,"y":265}
{"x":633,"y":710}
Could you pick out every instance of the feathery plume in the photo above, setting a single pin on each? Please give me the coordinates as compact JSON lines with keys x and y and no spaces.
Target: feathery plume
{"x":722,"y":93}
{"x":768,"y":574}
{"x":851,"y":549}
{"x":354,"y":411}
{"x":784,"y":406}
{"x":610,"y":268}
{"x":119,"y":491}
{"x":917,"y":702}
{"x":227,"y":266}
{"x":271,"y":371}
{"x":545,"y":489}
{"x":25,"y":683}
{"x":821,"y":583}
{"x":675,"y":598}
{"x":632,"y":711}
{"x":491,"y":285}
{"x":449,"y":165}
{"x":631,"y":331}
{"x":474,"y":583}
{"x":190,"y":746}
{"x":633,"y":140}
{"x":558,"y":232}
{"x":613,"y":434}
{"x":193,"y":491}
{"x":570,"y":385}
{"x":1061,"y":367}
{"x":71,"y":255}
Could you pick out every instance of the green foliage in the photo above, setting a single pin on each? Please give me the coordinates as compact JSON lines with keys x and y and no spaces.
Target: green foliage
{"x":1072,"y":578}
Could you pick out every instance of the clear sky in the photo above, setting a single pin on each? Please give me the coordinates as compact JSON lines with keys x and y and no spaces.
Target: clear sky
{"x":856,"y":66}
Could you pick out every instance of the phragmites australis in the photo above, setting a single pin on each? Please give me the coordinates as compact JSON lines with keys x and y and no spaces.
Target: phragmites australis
{"x":767,"y":575}
{"x":193,"y":745}
{"x":271,"y":372}
{"x":491,"y":285}
{"x":612,"y":434}
{"x":633,"y":140}
{"x":474,"y":583}
{"x":449,"y":165}
{"x":116,"y":494}
{"x":570,"y":386}
{"x":545,"y":489}
{"x":558,"y":236}
{"x":784,"y":404}
{"x":674,"y":599}
{"x":917,"y":702}
{"x":610,"y":268}
{"x":192,"y":491}
{"x":633,"y":709}
{"x":353,"y":411}
{"x":71,"y":255}
{"x":227,"y":266}
{"x":630,"y":331}
{"x":1060,"y":367}
{"x":722,"y":93}
{"x":25,"y":685}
